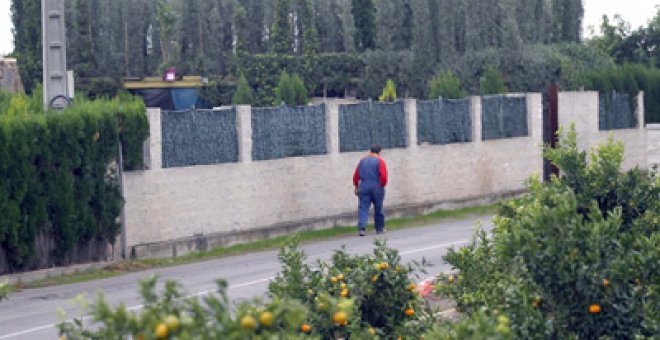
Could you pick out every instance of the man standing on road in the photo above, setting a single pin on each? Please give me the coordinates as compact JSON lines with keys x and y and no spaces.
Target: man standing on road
{"x":370,"y":179}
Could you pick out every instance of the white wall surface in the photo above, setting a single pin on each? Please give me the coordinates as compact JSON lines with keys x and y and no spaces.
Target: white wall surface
{"x":165,"y":205}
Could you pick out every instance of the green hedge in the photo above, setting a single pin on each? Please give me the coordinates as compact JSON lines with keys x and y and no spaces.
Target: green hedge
{"x":58,"y":176}
{"x":628,"y":79}
{"x":331,"y":74}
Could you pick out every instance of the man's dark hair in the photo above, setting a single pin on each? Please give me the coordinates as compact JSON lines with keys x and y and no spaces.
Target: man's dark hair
{"x":376,"y":148}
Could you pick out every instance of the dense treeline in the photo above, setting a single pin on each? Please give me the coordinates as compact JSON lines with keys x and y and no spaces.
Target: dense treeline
{"x":131,"y":38}
{"x":336,"y":46}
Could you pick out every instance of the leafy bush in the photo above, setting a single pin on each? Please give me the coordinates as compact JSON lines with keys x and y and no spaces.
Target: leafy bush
{"x":491,"y":82}
{"x":244,"y":94}
{"x":389,"y":92}
{"x":290,"y":90}
{"x":171,"y":315}
{"x":576,"y":257}
{"x":59,"y":177}
{"x":445,"y":85}
{"x":374,"y":294}
{"x":479,"y":325}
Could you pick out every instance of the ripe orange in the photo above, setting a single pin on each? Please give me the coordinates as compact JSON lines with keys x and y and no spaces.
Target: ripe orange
{"x":340,"y":318}
{"x":305,"y":328}
{"x":594,"y":308}
{"x":340,"y":277}
{"x":172,"y":323}
{"x":248,"y":322}
{"x":371,"y":331}
{"x":374,"y":278}
{"x":412,"y":287}
{"x":384,"y":266}
{"x":344,"y":292}
{"x":606,"y":283}
{"x":333,"y":279}
{"x":266,"y":319}
{"x":161,"y":331}
{"x":343,"y":286}
{"x":410,"y":311}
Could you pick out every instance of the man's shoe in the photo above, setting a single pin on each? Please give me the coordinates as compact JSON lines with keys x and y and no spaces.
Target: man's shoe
{"x":382,"y":231}
{"x":361,"y":233}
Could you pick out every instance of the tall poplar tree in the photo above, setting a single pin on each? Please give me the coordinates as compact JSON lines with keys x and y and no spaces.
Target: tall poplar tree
{"x":254,"y":36}
{"x":26,"y":17}
{"x":364,"y":17}
{"x":282,"y":32}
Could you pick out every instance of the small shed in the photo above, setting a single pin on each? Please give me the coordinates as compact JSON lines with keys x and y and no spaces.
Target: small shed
{"x":179,"y":94}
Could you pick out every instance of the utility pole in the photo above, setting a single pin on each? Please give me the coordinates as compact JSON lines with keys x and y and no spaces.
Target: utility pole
{"x":53,"y":27}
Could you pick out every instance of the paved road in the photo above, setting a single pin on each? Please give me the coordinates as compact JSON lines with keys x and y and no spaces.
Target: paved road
{"x":32,"y":313}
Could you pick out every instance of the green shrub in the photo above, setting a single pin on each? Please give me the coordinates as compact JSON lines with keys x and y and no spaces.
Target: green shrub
{"x":244,"y":94}
{"x":389,"y":92}
{"x":479,"y":325}
{"x":576,"y":257}
{"x":171,"y":315}
{"x":491,"y":82}
{"x":290,"y":90}
{"x":445,"y":85}
{"x":374,"y":291}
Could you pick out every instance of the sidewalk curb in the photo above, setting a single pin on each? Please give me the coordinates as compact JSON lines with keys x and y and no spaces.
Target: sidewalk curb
{"x":32,"y":276}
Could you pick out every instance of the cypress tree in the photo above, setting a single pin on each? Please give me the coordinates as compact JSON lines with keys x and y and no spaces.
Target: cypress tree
{"x":244,"y":94}
{"x":26,"y":17}
{"x":282,"y":32}
{"x":492,"y":82}
{"x":364,"y":17}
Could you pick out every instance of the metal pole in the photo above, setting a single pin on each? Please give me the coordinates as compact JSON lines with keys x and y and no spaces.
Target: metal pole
{"x":122,"y":218}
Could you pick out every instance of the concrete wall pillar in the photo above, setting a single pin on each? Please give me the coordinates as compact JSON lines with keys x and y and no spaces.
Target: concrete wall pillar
{"x":244,"y":132}
{"x":475,"y":116}
{"x":332,"y":127}
{"x":410,"y":109}
{"x":154,"y":158}
{"x":535,"y":116}
{"x":640,"y":111}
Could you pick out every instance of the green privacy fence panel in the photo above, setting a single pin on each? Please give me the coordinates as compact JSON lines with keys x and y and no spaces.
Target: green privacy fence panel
{"x":503,"y":117}
{"x":364,"y":124}
{"x":444,"y":121}
{"x":616,"y":111}
{"x":199,"y":137}
{"x":284,"y":131}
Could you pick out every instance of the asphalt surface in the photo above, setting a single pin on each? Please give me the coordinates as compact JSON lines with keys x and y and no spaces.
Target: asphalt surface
{"x":33,"y":313}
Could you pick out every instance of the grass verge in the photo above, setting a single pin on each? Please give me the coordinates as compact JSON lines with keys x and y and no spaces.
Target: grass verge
{"x":124,"y":267}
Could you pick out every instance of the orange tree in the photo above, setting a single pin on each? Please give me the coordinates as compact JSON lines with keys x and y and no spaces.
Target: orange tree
{"x":171,"y":315}
{"x":353,"y":296}
{"x":576,"y":257}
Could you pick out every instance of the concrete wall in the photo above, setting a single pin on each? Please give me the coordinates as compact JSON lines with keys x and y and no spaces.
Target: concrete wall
{"x":10,"y":79}
{"x":581,"y":108}
{"x":177,"y":210}
{"x":653,"y":143}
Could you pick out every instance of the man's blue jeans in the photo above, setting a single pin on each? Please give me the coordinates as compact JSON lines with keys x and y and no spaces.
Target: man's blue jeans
{"x":367,"y":196}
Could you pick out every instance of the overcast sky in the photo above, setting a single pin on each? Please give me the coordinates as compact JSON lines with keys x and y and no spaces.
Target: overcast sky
{"x":636,"y":12}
